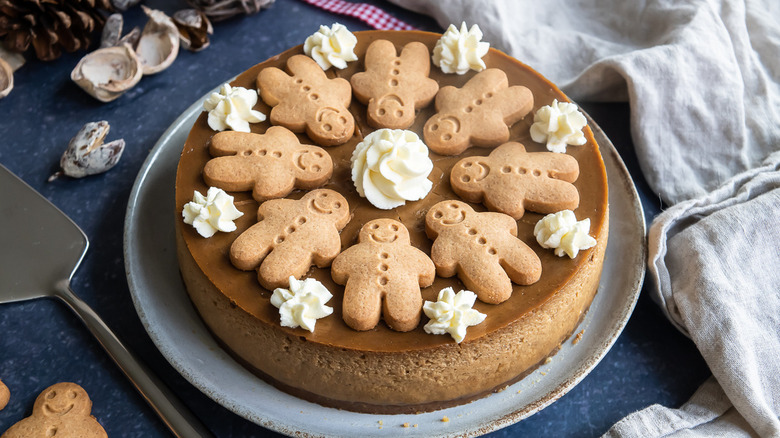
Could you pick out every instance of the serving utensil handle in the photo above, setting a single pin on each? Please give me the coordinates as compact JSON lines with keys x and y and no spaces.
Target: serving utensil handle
{"x":179,"y":419}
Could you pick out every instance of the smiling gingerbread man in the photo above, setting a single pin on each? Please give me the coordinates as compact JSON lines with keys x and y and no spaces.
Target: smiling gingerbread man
{"x":290,"y":236}
{"x":481,"y":248}
{"x":61,"y":410}
{"x":383,"y":274}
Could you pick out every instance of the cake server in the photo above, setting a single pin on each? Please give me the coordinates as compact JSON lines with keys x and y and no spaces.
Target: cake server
{"x":40,"y":250}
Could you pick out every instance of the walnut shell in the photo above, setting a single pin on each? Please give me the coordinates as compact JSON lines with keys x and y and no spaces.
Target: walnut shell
{"x":108,"y":72}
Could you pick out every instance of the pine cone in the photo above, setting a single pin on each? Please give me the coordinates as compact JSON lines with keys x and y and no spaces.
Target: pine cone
{"x":50,"y":26}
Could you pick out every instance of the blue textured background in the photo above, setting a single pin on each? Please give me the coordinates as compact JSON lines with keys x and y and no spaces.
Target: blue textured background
{"x":42,"y":343}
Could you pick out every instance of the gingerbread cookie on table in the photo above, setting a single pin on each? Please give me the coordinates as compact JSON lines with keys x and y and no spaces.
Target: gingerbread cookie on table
{"x":394,"y":86}
{"x":481,"y":248}
{"x":383,"y":274}
{"x":306,"y":100}
{"x":270,"y":164}
{"x":61,"y":410}
{"x":290,"y":236}
{"x":5,"y":395}
{"x":478,"y":114}
{"x":511,"y":180}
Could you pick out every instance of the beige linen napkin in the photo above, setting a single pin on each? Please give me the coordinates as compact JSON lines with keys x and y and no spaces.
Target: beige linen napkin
{"x":703,"y":81}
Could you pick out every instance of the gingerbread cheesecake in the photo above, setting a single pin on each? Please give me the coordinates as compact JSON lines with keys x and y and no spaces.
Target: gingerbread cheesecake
{"x":377,"y":355}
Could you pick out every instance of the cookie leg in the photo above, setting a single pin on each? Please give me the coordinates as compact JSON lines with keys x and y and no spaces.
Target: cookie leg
{"x":362,"y":305}
{"x":522,"y":264}
{"x":488,"y":280}
{"x":402,"y":307}
{"x":281,"y":263}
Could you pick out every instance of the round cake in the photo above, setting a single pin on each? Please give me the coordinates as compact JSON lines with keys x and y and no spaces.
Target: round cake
{"x":382,"y":370}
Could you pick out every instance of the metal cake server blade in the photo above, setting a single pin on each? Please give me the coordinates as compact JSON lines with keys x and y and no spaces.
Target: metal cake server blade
{"x":40,"y":250}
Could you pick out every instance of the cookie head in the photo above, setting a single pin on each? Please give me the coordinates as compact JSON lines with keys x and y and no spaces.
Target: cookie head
{"x":446,"y":214}
{"x":63,"y":399}
{"x":444,"y":134}
{"x":469,"y":173}
{"x":384,"y":231}
{"x":327,"y":202}
{"x":331,"y":125}
{"x":312,"y":164}
{"x":390,"y":111}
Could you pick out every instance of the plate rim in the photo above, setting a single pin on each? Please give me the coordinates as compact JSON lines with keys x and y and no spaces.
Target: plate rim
{"x":636,"y":277}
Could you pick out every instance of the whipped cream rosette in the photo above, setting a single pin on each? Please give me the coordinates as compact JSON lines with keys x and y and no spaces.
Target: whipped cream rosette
{"x":231,"y":108}
{"x":460,"y":50}
{"x":452,"y":313}
{"x":331,"y":46}
{"x":303,"y":303}
{"x":390,"y":167}
{"x":211,"y":213}
{"x":564,"y":233}
{"x":559,"y":124}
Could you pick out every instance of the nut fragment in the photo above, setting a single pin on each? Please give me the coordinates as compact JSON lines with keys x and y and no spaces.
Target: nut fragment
{"x":112,"y":31}
{"x":107,"y":73}
{"x":159,"y":43}
{"x":87,"y":154}
{"x":194,"y":29}
{"x":6,"y":78}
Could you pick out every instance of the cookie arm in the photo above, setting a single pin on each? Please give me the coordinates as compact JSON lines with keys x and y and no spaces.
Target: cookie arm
{"x":426,"y":268}
{"x":443,"y":255}
{"x":327,"y":248}
{"x":251,"y":247}
{"x":273,"y":84}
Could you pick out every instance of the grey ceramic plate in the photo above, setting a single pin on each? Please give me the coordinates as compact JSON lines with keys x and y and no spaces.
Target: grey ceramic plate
{"x":174,"y":326}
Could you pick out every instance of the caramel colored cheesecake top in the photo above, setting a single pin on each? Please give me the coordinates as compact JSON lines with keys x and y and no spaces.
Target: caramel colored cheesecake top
{"x":242,"y":287}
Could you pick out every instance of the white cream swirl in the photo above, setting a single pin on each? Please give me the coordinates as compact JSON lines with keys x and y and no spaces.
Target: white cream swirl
{"x":564,"y":233}
{"x":231,"y":107}
{"x":211,"y":213}
{"x":452,"y":313}
{"x":303,"y":303}
{"x":558,"y":124}
{"x":331,"y":46}
{"x":457,"y":51}
{"x":390,"y":167}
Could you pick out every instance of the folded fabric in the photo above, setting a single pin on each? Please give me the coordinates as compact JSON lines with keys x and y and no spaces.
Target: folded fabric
{"x":703,"y":81}
{"x":715,"y":263}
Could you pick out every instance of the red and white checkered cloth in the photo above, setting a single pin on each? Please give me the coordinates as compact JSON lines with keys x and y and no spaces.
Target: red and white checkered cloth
{"x":370,"y":14}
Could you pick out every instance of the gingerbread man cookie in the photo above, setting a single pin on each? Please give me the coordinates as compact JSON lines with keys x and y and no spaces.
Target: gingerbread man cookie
{"x":481,"y":248}
{"x":306,"y":100}
{"x":383,"y":274}
{"x":62,"y":411}
{"x":394,"y":86}
{"x":270,"y":164}
{"x":290,"y":236}
{"x":511,"y":180}
{"x":5,"y":395}
{"x":479,"y":114}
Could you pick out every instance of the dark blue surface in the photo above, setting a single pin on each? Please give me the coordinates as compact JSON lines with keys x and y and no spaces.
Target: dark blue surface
{"x":42,"y":342}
